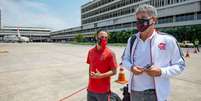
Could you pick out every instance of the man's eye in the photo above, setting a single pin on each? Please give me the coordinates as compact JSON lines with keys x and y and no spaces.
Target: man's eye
{"x":145,"y":23}
{"x":104,"y":37}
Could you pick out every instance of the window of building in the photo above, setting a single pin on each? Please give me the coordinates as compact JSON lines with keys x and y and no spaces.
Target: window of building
{"x":199,"y":15}
{"x":165,"y":20}
{"x":131,"y":9}
{"x":111,"y":7}
{"x":185,"y":17}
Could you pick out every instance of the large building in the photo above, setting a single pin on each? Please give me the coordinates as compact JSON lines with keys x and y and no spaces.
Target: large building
{"x":35,"y":34}
{"x":118,"y":15}
{"x":0,"y":18}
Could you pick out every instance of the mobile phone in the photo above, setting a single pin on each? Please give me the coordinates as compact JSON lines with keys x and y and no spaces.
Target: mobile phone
{"x":148,"y":66}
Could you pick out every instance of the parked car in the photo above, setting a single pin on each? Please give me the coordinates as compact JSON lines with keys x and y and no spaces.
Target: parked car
{"x":186,"y":44}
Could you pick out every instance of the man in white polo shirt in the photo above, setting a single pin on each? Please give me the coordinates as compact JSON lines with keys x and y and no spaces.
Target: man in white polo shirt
{"x":152,"y":58}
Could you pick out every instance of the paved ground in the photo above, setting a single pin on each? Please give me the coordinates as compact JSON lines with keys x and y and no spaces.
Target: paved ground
{"x":49,"y":72}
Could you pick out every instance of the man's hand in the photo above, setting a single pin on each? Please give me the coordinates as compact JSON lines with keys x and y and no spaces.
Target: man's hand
{"x":96,"y":75}
{"x":137,"y":70}
{"x":153,"y":71}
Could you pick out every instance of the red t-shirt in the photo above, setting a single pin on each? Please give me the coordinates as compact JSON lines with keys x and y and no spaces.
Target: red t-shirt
{"x":103,"y":61}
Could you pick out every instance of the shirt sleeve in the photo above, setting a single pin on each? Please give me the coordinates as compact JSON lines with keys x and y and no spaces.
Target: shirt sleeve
{"x":113,"y":62}
{"x":88,"y":58}
{"x":126,"y":57}
{"x":177,"y":62}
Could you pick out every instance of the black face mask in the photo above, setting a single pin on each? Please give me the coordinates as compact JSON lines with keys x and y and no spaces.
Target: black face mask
{"x":142,"y":24}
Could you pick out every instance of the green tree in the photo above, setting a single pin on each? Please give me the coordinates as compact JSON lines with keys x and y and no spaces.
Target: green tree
{"x":79,"y":38}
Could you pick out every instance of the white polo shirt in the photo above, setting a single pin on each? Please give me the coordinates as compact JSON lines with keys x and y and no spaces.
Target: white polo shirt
{"x":142,"y":58}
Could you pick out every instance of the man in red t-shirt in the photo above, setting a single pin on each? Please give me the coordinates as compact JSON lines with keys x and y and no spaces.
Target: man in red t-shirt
{"x":102,"y":65}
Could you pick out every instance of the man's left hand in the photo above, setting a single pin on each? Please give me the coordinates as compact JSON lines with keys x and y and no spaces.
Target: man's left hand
{"x":153,"y":71}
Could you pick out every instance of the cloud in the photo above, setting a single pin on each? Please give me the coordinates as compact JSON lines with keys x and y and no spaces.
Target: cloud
{"x":30,"y":13}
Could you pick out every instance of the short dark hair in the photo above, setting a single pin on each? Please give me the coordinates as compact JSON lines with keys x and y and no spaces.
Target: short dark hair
{"x":100,"y":30}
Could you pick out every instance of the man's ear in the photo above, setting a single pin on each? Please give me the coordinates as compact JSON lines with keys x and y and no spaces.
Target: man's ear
{"x":96,"y":37}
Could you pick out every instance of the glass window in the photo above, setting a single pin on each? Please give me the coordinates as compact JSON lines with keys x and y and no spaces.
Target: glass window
{"x":199,"y":15}
{"x":165,"y":20}
{"x":185,"y":17}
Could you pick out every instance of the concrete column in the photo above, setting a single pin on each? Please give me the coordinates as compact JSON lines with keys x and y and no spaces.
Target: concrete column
{"x":159,"y":1}
{"x":165,"y":2}
{"x":195,"y":16}
{"x":174,"y":18}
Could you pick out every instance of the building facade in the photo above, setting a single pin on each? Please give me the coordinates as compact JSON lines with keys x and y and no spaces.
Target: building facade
{"x":35,"y":34}
{"x":0,"y":19}
{"x":118,"y":15}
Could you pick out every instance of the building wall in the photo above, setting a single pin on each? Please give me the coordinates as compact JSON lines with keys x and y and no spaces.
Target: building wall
{"x":117,"y":15}
{"x":0,"y":19}
{"x":34,"y":34}
{"x":182,"y":7}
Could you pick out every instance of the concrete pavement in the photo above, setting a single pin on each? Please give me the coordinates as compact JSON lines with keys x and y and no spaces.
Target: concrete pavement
{"x":49,"y":72}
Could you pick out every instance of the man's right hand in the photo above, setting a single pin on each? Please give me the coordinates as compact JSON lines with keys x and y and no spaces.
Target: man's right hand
{"x":137,"y":70}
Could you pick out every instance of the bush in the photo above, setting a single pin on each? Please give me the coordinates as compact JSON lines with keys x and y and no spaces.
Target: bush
{"x":183,"y":33}
{"x":120,"y":37}
{"x":79,"y":38}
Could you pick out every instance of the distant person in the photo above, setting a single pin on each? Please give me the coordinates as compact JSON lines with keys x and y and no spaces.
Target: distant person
{"x":152,"y":57}
{"x":196,"y":42}
{"x":102,"y":65}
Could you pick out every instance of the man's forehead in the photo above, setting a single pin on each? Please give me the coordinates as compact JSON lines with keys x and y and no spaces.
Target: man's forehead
{"x":142,"y":14}
{"x":102,"y":33}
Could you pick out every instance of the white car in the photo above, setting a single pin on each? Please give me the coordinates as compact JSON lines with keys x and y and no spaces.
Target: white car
{"x":187,"y":44}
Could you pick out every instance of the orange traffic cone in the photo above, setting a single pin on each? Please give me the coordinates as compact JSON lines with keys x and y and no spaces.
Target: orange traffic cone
{"x":122,"y":78}
{"x":187,"y":54}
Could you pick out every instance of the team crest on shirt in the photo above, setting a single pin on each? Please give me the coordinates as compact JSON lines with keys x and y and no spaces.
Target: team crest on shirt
{"x":162,"y":46}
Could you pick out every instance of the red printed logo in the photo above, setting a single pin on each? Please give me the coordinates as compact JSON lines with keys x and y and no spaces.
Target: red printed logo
{"x":162,"y":46}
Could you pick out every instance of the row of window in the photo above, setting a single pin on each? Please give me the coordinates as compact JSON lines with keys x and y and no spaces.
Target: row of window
{"x":110,"y":7}
{"x":112,"y":14}
{"x":125,"y":11}
{"x":24,"y":30}
{"x":162,"y":20}
{"x":179,"y":18}
{"x":103,"y":2}
{"x":199,"y":15}
{"x":95,"y":5}
{"x":185,"y":17}
{"x":165,"y":20}
{"x":156,"y":3}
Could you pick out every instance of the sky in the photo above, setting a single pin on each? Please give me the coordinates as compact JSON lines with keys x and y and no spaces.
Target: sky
{"x":53,"y":14}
